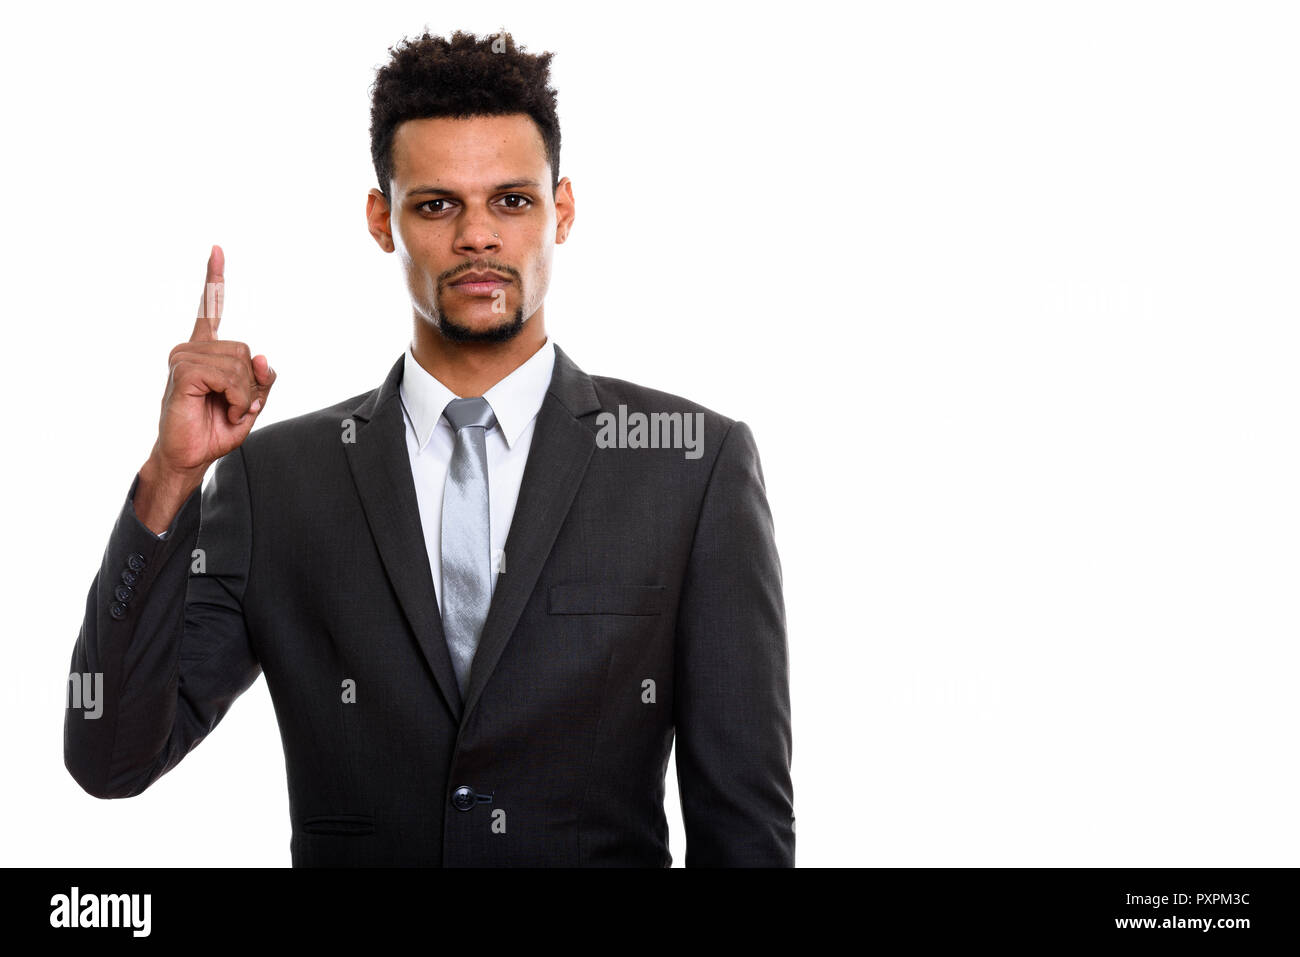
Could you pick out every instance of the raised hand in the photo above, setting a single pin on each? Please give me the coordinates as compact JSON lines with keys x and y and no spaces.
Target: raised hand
{"x":215,"y":390}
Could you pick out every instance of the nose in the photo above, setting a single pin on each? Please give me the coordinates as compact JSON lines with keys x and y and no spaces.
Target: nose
{"x":476,"y":235}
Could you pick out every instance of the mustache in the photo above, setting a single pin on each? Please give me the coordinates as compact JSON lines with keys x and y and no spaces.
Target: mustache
{"x":479,"y":266}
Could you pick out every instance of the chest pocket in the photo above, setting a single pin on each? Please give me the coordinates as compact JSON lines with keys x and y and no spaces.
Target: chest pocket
{"x":602,"y":599}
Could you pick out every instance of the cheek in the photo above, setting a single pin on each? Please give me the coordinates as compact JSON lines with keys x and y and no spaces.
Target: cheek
{"x":416,"y":250}
{"x":410,"y":246}
{"x":540,"y":242}
{"x":542,"y":264}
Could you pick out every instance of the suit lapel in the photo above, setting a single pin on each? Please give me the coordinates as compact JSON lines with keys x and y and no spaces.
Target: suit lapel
{"x":381,"y":468}
{"x":557,"y":460}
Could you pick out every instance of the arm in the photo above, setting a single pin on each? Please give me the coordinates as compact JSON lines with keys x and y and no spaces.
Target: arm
{"x":731,"y":699}
{"x":175,"y":654}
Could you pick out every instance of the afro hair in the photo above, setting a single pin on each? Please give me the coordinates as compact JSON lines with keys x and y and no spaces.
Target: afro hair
{"x":461,"y":77}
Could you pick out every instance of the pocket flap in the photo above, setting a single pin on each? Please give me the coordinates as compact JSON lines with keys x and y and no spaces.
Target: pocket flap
{"x":339,"y":824}
{"x":600,"y":599}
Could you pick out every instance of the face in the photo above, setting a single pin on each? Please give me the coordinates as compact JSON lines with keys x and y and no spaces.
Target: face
{"x":474,"y":222}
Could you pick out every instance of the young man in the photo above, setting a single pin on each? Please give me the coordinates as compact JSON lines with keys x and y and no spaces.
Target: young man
{"x":485,"y":595}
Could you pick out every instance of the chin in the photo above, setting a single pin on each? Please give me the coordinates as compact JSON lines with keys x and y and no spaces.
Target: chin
{"x":497,"y":329}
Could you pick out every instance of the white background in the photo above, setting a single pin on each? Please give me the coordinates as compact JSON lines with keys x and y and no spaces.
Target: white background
{"x":1006,"y":292}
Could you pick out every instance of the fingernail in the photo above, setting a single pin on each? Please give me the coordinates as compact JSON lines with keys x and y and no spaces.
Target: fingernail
{"x":257,"y":404}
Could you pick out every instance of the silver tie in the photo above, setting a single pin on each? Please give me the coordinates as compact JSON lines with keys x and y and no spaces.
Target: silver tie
{"x":466,"y":534}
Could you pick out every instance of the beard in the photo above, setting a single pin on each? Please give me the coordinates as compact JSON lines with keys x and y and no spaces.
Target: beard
{"x":455,"y":332}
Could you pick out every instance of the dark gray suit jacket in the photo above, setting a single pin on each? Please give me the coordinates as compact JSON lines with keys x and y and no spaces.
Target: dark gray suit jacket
{"x":641,"y":597}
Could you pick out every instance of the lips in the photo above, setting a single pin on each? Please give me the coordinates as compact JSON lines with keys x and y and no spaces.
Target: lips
{"x":481,"y":284}
{"x":479,"y":278}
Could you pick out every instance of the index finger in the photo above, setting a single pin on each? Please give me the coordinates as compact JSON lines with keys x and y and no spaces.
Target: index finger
{"x":213,"y":299}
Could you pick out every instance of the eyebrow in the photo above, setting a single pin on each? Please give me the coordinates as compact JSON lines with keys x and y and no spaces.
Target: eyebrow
{"x":439,"y":191}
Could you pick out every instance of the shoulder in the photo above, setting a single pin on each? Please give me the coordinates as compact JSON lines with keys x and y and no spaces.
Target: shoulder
{"x":632,"y":415}
{"x":300,"y":433}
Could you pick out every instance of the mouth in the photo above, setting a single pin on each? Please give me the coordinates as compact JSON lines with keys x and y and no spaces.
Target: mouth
{"x":480,"y":283}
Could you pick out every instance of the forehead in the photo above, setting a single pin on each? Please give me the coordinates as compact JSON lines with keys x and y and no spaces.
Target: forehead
{"x":468,"y":151}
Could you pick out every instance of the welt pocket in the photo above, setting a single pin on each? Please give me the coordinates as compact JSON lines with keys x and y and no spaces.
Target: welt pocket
{"x":339,"y":824}
{"x":600,"y":599}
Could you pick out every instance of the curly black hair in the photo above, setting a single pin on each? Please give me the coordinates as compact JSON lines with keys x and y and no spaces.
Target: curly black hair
{"x":461,"y":77}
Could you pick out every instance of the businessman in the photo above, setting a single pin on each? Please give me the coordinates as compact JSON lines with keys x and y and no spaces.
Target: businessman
{"x":485,"y":595}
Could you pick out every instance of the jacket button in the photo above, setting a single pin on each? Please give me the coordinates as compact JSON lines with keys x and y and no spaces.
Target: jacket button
{"x":117,"y":610}
{"x":462,"y":799}
{"x":135,"y":562}
{"x":129,"y":577}
{"x":123,"y":593}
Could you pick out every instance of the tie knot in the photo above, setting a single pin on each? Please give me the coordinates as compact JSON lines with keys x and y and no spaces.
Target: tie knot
{"x":464,"y":413}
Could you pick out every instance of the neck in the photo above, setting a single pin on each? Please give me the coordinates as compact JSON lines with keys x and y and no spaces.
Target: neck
{"x":471,"y":368}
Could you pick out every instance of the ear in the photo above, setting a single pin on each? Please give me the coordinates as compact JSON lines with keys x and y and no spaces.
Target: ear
{"x":378,"y":220}
{"x":564,"y":209}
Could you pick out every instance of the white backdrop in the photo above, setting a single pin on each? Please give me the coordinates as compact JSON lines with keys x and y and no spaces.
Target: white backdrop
{"x":1006,"y":291}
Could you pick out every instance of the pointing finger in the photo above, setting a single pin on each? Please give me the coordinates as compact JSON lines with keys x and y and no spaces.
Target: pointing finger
{"x":212,"y":301}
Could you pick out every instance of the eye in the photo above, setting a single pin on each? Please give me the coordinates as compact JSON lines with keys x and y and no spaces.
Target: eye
{"x":422,"y":206}
{"x":524,"y":201}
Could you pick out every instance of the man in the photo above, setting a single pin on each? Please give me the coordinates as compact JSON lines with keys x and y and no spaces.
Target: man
{"x":485,"y":595}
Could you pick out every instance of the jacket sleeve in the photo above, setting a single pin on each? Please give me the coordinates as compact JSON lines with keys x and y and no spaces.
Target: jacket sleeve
{"x":731,"y":689}
{"x":163,"y":649}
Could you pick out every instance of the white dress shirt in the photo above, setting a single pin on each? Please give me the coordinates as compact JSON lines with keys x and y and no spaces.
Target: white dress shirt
{"x":515,"y":402}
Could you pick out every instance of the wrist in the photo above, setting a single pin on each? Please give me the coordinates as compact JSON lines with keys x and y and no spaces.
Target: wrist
{"x":161,"y":492}
{"x":156,"y":473}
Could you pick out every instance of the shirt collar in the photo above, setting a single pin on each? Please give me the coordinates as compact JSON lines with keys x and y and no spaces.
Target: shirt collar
{"x":515,"y":400}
